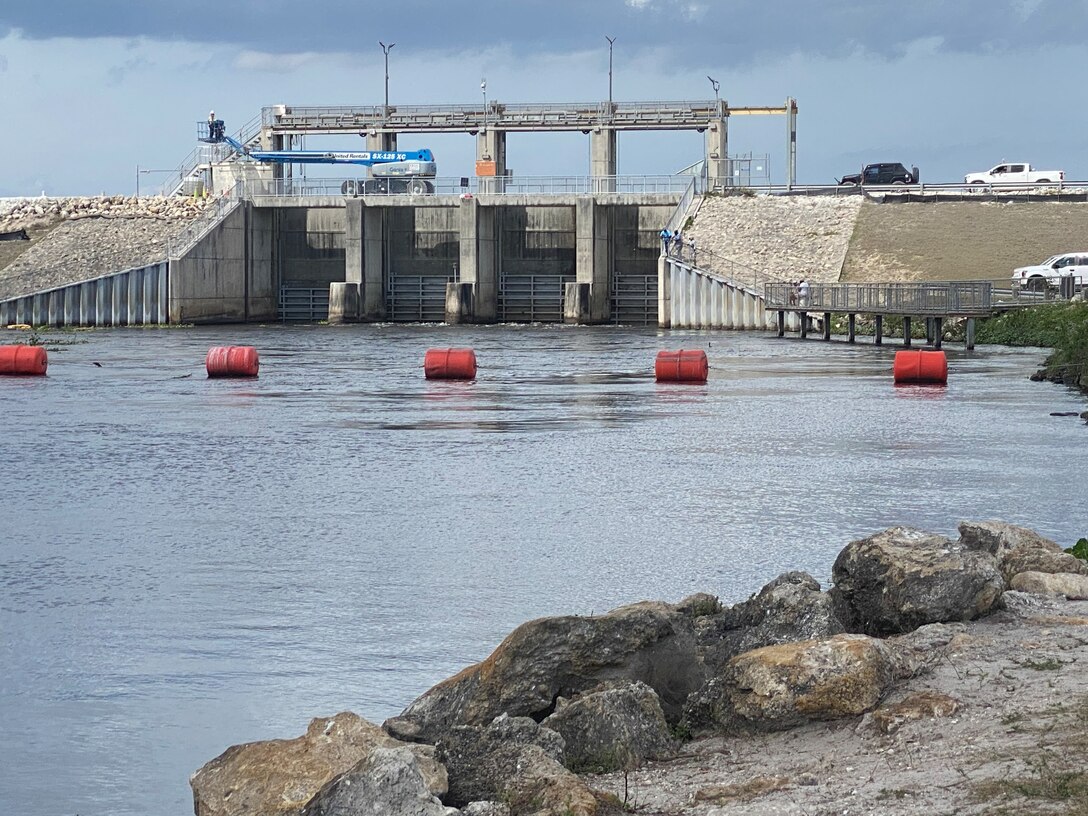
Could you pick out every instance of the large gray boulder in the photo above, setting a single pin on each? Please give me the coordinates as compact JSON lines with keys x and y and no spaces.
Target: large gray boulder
{"x":612,"y":730}
{"x":1072,"y":587}
{"x":782,"y":686}
{"x":549,"y":658}
{"x":279,"y":777}
{"x":790,"y":608}
{"x":516,"y":761}
{"x":903,"y":578}
{"x":388,"y":782}
{"x":1018,"y":549}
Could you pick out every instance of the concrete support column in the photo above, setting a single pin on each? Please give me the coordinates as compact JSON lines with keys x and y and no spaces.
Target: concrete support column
{"x":593,"y":254}
{"x":970,"y":337}
{"x":602,"y":159}
{"x":827,"y":325}
{"x":479,"y":258}
{"x":718,"y":172}
{"x":929,"y":330}
{"x":938,"y":330}
{"x":804,"y":324}
{"x":664,"y":292}
{"x":381,"y":140}
{"x":906,"y":332}
{"x":491,"y":158}
{"x":781,"y":323}
{"x":343,"y":302}
{"x":851,"y":328}
{"x":878,"y":335}
{"x":369,"y":270}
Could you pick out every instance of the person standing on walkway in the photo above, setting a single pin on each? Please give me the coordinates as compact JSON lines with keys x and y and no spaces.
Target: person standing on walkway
{"x":666,"y":236}
{"x":678,"y":244}
{"x":802,"y":292}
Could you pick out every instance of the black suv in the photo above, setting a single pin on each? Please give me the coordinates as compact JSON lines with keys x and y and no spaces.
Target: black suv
{"x":883,"y":173}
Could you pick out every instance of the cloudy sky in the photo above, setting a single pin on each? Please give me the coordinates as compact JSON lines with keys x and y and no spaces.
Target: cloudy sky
{"x":94,"y":89}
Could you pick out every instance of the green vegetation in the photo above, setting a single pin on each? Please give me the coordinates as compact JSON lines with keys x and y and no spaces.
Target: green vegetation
{"x":1080,"y":549}
{"x":1044,"y":325}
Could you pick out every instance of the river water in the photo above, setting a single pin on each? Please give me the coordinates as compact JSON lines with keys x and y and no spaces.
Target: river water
{"x":186,"y":564}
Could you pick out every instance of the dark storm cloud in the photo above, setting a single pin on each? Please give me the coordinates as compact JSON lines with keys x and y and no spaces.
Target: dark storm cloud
{"x":727,"y":31}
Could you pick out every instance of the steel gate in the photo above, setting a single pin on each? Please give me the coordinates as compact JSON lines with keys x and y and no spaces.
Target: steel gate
{"x":303,"y":305}
{"x":416,"y":298}
{"x":532,"y":298}
{"x":634,"y":300}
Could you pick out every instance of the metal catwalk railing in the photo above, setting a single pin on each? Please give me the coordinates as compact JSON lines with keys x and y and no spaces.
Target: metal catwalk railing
{"x":951,"y":298}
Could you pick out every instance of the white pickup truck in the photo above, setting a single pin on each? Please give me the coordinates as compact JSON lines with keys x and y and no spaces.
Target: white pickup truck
{"x":1014,"y":173}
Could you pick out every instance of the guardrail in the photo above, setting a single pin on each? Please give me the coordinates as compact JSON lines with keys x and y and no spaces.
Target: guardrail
{"x":947,"y":298}
{"x":185,"y":240}
{"x":512,"y":185}
{"x":207,"y":154}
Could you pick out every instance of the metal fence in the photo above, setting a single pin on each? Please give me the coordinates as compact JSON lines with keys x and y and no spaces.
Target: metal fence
{"x":303,"y":305}
{"x":532,"y":298}
{"x":952,"y":298}
{"x":211,"y":216}
{"x":471,"y":185}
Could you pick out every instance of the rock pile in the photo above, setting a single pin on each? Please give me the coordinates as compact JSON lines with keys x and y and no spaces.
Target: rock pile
{"x":578,"y":695}
{"x":782,"y":237}
{"x":75,"y":239}
{"x":39,"y":212}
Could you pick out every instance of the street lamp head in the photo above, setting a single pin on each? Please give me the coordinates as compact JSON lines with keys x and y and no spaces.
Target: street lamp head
{"x":610,"y":39}
{"x":483,"y":84}
{"x":385,"y":47}
{"x":714,"y":83}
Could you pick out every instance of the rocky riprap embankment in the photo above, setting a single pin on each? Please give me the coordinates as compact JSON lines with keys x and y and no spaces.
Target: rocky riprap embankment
{"x":932,"y":677}
{"x":782,"y":237}
{"x":74,"y":239}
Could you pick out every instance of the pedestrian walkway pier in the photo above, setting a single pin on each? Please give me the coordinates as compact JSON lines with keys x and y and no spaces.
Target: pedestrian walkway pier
{"x":933,"y":302}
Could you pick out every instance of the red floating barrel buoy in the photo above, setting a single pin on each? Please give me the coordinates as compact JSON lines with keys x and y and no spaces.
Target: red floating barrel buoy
{"x":232,"y":361}
{"x":922,"y":367}
{"x":29,"y":360}
{"x":449,"y":364}
{"x":684,"y":366}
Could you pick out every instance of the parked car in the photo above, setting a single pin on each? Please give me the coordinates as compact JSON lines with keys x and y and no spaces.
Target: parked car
{"x":1014,"y":173}
{"x":882,"y":173}
{"x":1052,"y":270}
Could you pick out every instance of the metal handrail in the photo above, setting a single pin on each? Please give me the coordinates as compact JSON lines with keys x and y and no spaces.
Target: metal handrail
{"x":939,"y":298}
{"x":207,"y":220}
{"x":508,"y":186}
{"x":726,"y":268}
{"x":207,"y":154}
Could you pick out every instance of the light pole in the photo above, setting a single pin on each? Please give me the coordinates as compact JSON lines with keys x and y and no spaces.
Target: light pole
{"x":143,"y":171}
{"x":386,"y":49}
{"x":610,"y":41}
{"x":715,"y":85}
{"x":483,"y":87}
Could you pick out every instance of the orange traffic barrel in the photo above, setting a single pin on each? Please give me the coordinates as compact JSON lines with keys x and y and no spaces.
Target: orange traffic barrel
{"x":685,"y":365}
{"x":449,"y":364}
{"x":30,"y":360}
{"x":232,"y":361}
{"x":921,"y":367}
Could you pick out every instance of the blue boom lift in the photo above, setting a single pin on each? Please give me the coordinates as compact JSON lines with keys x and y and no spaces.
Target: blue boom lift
{"x":395,"y":171}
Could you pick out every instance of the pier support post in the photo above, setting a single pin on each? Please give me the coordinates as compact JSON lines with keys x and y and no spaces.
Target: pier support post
{"x":938,"y":330}
{"x":343,"y":302}
{"x":970,"y":338}
{"x":878,"y":334}
{"x":602,"y":159}
{"x":593,"y":254}
{"x":929,"y":330}
{"x":664,"y":292}
{"x":906,"y":332}
{"x":491,"y":160}
{"x":851,"y":327}
{"x":827,"y":325}
{"x":365,"y":256}
{"x":781,"y":323}
{"x":479,"y":260}
{"x":804,"y":324}
{"x":718,"y":174}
